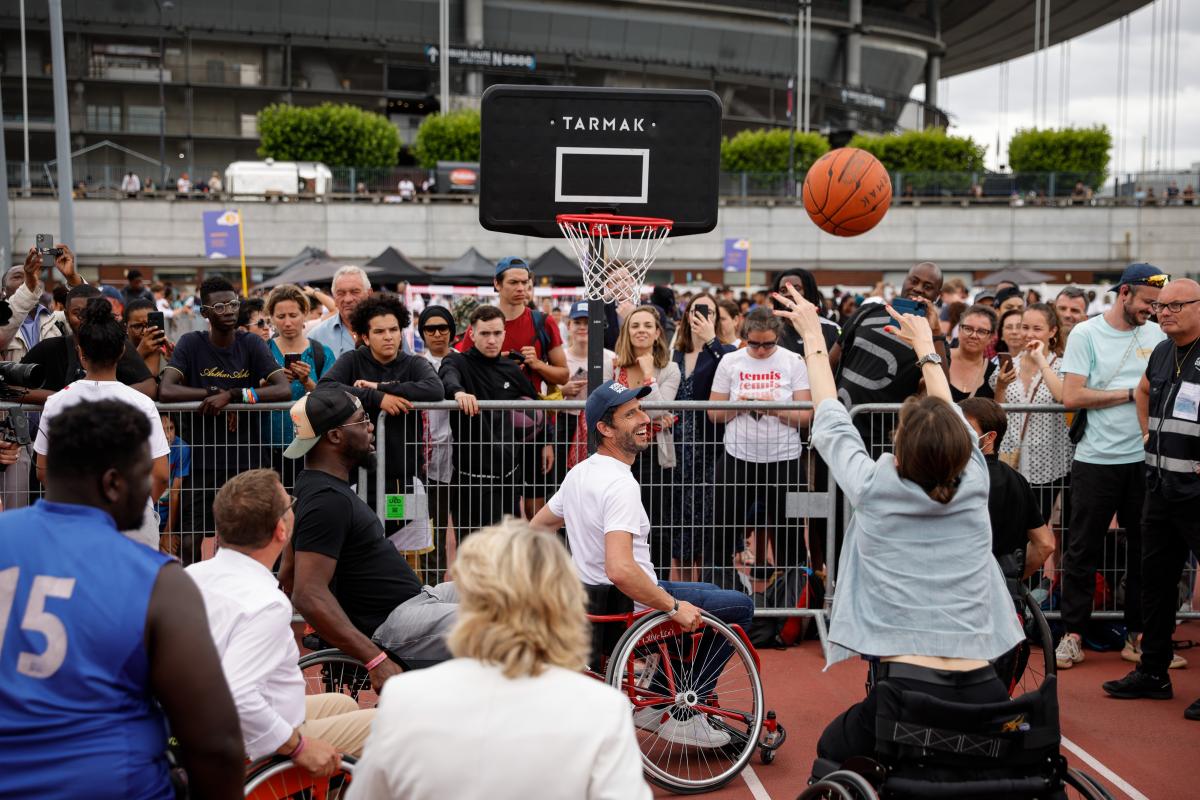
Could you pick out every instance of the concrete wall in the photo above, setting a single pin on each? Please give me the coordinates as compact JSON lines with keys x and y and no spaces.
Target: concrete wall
{"x":958,"y":238}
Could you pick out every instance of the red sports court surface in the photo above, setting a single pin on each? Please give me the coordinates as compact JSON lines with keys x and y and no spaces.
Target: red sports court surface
{"x":1138,"y":749}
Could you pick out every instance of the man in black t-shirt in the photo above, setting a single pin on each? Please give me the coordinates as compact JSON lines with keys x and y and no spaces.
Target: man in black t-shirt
{"x":1021,"y":540}
{"x":346,"y":579}
{"x":217,"y":367}
{"x":60,"y":358}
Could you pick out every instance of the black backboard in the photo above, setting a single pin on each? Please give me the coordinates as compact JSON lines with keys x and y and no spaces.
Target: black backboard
{"x":549,"y":150}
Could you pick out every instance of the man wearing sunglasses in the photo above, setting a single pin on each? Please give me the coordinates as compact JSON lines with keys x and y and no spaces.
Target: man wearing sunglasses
{"x":1168,"y":403}
{"x":217,"y":367}
{"x":1105,"y":359}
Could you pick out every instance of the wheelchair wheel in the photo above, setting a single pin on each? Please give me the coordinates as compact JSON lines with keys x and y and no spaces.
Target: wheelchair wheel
{"x":332,"y":671}
{"x":1025,"y":668}
{"x":828,"y":789}
{"x":697,"y":724}
{"x":279,"y":778}
{"x":1079,"y":784}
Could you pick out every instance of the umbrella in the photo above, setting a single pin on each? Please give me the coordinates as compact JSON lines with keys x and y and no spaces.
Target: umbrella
{"x":559,"y":268}
{"x":469,"y":269}
{"x":393,"y":267}
{"x":1015,"y":275}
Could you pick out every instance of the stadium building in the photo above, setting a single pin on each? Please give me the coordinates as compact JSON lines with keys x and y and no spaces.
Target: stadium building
{"x":213,"y":64}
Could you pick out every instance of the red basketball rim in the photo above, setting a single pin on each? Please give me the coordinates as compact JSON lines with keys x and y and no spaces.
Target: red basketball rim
{"x":615,"y":225}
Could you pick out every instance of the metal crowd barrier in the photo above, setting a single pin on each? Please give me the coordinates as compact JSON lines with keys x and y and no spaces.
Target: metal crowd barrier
{"x":876,"y":422}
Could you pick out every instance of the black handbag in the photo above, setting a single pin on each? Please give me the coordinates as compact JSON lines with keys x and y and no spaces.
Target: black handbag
{"x":1078,"y":426}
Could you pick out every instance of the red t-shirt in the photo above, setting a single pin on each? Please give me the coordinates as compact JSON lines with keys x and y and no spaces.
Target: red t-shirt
{"x":520,"y":333}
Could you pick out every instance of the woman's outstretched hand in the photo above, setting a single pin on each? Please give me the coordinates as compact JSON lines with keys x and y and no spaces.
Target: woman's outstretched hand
{"x":913,"y":330}
{"x":801,"y":313}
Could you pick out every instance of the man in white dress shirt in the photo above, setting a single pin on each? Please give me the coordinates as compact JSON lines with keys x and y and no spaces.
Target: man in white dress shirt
{"x":250,"y":620}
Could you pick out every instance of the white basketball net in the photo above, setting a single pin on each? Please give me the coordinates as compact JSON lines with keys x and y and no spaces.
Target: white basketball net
{"x":614,"y":252}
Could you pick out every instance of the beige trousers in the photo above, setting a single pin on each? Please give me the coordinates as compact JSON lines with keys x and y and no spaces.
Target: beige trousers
{"x":337,"y":720}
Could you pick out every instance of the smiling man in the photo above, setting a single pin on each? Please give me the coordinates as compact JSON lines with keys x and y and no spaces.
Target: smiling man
{"x":876,"y":367}
{"x":351,"y":286}
{"x":217,"y":367}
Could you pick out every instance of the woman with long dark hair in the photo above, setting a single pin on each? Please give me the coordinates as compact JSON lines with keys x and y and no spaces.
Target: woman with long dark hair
{"x":918,"y":587}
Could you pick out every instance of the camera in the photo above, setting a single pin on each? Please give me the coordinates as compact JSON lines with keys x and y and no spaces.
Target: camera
{"x":14,"y":428}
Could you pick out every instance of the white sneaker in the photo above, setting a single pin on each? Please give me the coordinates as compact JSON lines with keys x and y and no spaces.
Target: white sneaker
{"x":693,"y":732}
{"x":649,"y":718}
{"x":1069,"y":652}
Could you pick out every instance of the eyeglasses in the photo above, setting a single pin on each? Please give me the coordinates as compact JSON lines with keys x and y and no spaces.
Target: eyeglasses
{"x":762,"y":345}
{"x":967,"y":330}
{"x":1174,"y":308}
{"x":137,"y":327}
{"x":259,"y":323}
{"x":1157,"y":281}
{"x":359,"y":422}
{"x":435,"y":329}
{"x":291,"y":505}
{"x":222,"y":308}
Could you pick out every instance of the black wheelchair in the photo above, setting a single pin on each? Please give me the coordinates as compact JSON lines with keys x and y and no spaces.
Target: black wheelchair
{"x":932,"y":748}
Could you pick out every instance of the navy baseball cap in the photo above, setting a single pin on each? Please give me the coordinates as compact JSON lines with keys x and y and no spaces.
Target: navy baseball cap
{"x":512,"y":262}
{"x":610,"y":394}
{"x":1143,"y":274}
{"x":578,"y":310}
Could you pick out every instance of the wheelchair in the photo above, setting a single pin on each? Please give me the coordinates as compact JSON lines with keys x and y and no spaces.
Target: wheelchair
{"x":330,"y":671}
{"x":277,"y":778}
{"x":653,"y":662}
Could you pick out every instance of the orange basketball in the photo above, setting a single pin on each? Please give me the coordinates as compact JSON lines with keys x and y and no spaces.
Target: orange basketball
{"x":847,"y":192}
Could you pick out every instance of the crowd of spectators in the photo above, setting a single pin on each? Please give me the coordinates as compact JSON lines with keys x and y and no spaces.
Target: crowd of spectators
{"x":719,"y":485}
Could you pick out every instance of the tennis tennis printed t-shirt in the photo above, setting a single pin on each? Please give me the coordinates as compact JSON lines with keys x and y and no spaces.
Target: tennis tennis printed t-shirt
{"x":757,"y":437}
{"x":599,"y":496}
{"x":1110,"y":359}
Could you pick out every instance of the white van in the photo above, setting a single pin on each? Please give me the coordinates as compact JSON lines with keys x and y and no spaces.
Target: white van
{"x":262,"y":180}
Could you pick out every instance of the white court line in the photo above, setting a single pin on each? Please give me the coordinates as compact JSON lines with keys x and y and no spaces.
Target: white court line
{"x":756,"y":787}
{"x":1112,"y":777}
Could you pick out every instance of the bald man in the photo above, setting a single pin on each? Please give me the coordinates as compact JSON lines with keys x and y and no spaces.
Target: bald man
{"x":876,"y":367}
{"x":1168,"y":407}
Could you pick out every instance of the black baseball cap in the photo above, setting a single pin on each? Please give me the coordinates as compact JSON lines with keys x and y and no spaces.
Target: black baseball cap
{"x":610,"y":394}
{"x":317,"y":413}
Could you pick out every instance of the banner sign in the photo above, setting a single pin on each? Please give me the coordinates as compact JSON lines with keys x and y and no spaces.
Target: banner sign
{"x":467,"y":57}
{"x":737,"y":255}
{"x":221,"y":234}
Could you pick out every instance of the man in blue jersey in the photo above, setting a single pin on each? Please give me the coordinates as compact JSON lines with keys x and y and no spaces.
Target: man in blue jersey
{"x":104,"y":641}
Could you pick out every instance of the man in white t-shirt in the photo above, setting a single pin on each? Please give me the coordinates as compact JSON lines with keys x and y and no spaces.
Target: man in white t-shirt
{"x":609,"y":533}
{"x":101,"y":343}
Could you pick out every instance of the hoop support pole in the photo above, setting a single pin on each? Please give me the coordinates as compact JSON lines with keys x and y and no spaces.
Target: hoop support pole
{"x":596,"y":330}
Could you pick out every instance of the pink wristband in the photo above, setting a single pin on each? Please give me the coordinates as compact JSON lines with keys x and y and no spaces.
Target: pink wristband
{"x":292,"y":755}
{"x":376,"y":661}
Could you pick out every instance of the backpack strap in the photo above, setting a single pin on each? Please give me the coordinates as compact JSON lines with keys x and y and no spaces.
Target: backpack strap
{"x":539,"y":328}
{"x":318,"y":357}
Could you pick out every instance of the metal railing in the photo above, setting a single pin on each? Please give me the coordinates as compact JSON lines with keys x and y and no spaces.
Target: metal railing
{"x":876,"y":422}
{"x":762,"y":523}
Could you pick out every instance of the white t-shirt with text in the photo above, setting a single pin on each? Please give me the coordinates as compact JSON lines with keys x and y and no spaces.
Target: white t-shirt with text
{"x":761,"y":439}
{"x":600,"y":496}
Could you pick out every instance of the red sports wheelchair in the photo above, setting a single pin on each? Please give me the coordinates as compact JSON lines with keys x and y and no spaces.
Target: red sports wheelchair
{"x":665,"y":671}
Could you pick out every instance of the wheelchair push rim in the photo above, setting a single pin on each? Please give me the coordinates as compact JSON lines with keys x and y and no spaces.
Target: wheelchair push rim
{"x":282,"y":778}
{"x":655,"y":666}
{"x":332,"y":671}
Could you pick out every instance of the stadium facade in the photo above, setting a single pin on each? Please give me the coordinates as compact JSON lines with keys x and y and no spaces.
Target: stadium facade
{"x":216,"y":63}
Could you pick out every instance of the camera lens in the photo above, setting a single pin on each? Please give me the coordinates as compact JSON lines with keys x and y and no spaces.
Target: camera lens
{"x":31,"y":376}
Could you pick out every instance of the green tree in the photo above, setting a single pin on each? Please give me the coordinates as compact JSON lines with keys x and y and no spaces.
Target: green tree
{"x":448,"y":137}
{"x":923,"y":151}
{"x":766,"y":150}
{"x":1082,"y":152}
{"x":335,"y":135}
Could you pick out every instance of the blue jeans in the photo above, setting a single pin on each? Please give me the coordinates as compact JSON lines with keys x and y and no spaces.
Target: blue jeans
{"x":712,"y":652}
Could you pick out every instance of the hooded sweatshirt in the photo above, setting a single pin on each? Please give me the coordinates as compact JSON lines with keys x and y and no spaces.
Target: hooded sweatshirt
{"x":488,"y":446}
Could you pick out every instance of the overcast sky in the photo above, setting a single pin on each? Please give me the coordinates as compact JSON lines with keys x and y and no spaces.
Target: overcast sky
{"x":973,"y":99}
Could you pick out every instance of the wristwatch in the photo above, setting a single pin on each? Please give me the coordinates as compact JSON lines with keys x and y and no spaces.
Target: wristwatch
{"x":674,"y":609}
{"x":928,"y":358}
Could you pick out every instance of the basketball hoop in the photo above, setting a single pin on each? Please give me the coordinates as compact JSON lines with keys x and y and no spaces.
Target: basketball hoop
{"x":614,"y":252}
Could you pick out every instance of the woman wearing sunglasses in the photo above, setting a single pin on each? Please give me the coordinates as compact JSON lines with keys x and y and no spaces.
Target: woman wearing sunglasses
{"x":762,"y":447}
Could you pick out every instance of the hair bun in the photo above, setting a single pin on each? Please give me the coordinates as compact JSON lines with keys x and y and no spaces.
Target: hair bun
{"x":98,"y":310}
